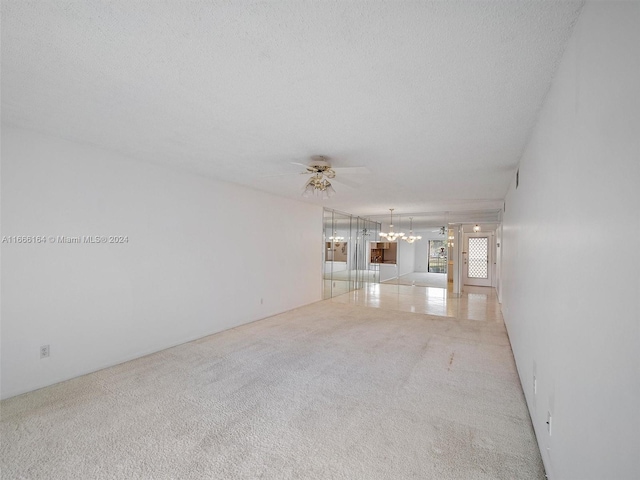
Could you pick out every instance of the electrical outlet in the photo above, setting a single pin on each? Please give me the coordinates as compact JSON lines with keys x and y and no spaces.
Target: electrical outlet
{"x":549,"y":424}
{"x":44,"y":351}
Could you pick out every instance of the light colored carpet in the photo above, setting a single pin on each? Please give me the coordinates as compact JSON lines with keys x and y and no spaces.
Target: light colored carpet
{"x":327,"y":391}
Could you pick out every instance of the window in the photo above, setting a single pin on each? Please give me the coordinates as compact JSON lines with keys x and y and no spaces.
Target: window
{"x":437,"y":256}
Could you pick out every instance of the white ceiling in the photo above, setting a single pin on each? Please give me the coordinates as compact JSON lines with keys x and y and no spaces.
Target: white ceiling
{"x":437,"y":99}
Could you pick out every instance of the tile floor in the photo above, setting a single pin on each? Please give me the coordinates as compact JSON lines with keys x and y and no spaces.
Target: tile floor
{"x":474,"y":303}
{"x":422,"y":279}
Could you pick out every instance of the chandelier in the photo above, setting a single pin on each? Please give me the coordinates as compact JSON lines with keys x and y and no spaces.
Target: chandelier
{"x":336,"y":238}
{"x":391,"y":236}
{"x":411,"y":238}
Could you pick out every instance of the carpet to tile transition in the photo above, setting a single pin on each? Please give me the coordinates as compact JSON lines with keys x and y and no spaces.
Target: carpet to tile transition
{"x":327,"y":391}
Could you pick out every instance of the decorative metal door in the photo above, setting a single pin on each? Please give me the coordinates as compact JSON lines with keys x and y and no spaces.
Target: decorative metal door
{"x":476,"y":259}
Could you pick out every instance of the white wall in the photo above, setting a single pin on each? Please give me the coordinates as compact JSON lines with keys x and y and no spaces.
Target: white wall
{"x":570,"y":281}
{"x":388,"y":271}
{"x":201,"y":255}
{"x":406,"y":257}
{"x":498,"y":266}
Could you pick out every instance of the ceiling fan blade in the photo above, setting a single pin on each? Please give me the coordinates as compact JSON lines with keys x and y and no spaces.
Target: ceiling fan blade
{"x":285,"y":174}
{"x":310,"y":168}
{"x":351,"y":170}
{"x":348,"y":183}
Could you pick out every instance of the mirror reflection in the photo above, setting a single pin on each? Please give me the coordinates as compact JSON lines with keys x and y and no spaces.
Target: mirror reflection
{"x":347,"y":263}
{"x":418,"y":257}
{"x":418,"y":250}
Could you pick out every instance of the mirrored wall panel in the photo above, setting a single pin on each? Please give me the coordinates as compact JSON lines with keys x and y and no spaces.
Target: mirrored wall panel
{"x":418,"y":255}
{"x":346,"y":253}
{"x":431,"y":250}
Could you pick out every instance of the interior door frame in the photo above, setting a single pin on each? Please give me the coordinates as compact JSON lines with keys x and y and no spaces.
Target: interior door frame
{"x":488,"y":282}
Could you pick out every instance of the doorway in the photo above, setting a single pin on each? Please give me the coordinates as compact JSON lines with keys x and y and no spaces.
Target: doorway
{"x":476,"y":259}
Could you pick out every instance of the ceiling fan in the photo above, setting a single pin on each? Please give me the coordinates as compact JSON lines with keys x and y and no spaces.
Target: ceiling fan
{"x":321,"y":170}
{"x":322,"y":164}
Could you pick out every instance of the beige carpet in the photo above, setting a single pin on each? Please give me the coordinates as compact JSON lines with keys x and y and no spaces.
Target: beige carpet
{"x":327,"y":391}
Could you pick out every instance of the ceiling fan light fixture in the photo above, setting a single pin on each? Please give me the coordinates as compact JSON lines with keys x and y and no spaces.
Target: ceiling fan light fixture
{"x":309,"y":189}
{"x":317,"y":185}
{"x":329,"y":189}
{"x":321,"y":172}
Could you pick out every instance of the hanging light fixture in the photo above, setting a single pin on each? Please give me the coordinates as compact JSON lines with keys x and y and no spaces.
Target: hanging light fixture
{"x":476,"y":229}
{"x":391,"y":236}
{"x":321,"y":172}
{"x":411,"y":238}
{"x":336,"y":238}
{"x":317,"y":185}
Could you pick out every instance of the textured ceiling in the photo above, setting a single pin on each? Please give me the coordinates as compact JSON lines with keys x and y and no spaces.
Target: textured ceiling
{"x":437,"y":99}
